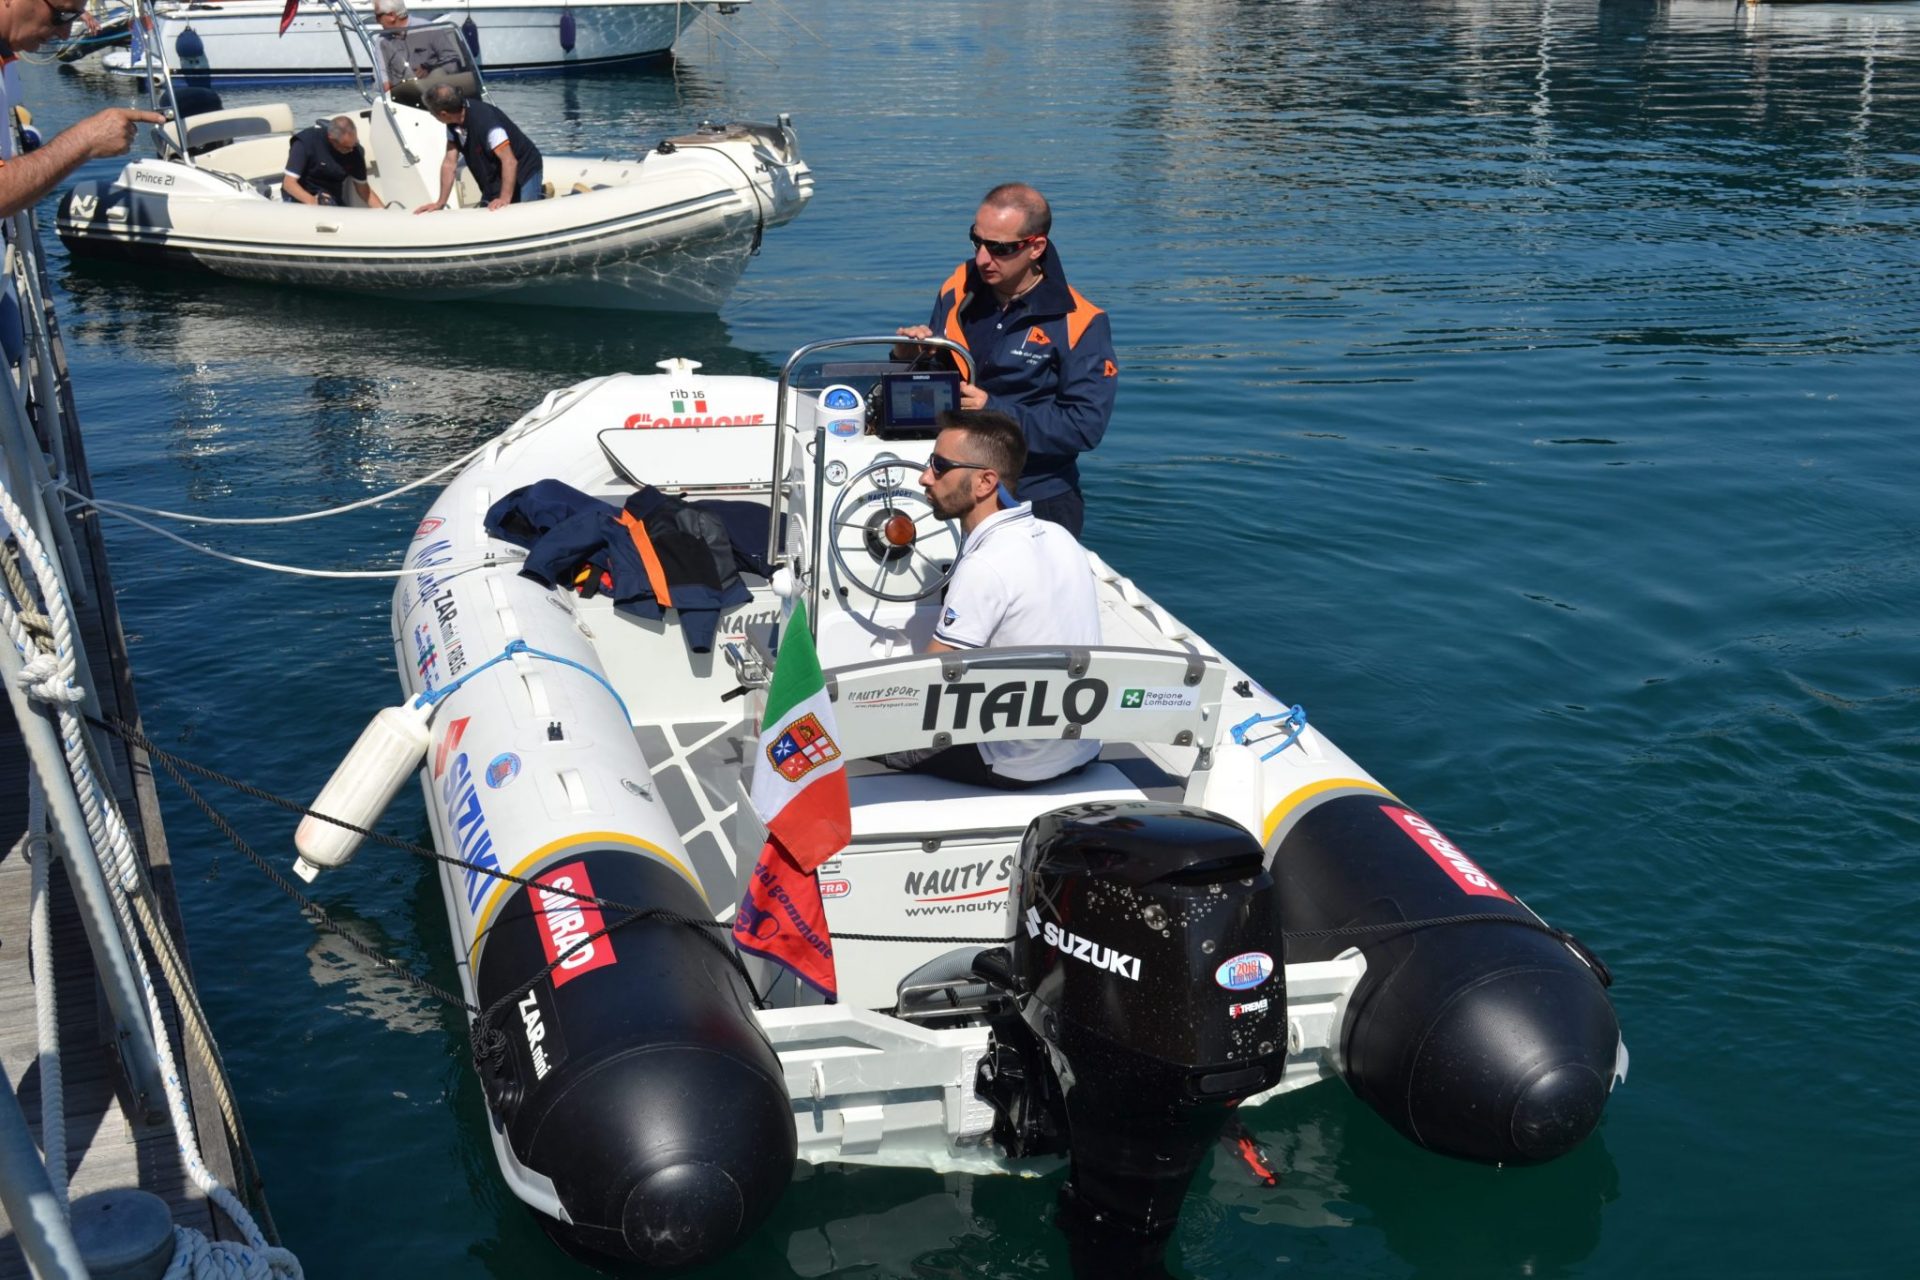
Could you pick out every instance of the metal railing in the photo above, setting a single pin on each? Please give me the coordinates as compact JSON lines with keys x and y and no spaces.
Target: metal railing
{"x":781,"y":484}
{"x":34,"y":423}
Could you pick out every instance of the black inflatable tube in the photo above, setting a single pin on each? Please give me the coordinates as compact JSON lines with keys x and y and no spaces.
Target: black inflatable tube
{"x":637,"y":1079}
{"x":1487,"y":1041}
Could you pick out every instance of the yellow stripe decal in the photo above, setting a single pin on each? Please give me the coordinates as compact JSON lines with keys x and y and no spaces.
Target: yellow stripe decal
{"x":502,"y":887}
{"x":1285,"y":808}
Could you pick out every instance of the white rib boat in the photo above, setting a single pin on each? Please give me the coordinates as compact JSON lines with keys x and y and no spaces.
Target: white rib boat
{"x":671,"y":230}
{"x":1222,"y":907}
{"x":241,"y":40}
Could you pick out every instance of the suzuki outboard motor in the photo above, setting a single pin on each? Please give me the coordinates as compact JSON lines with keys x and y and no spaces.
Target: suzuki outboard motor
{"x":1149,"y":982}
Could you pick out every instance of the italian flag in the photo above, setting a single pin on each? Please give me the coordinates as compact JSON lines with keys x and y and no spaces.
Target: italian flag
{"x":800,"y":792}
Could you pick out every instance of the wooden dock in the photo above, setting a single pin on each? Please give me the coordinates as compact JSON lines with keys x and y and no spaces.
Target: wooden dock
{"x":110,"y":1144}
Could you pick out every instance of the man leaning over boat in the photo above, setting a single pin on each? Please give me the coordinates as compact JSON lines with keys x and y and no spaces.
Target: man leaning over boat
{"x":503,"y":160}
{"x":1019,"y":581}
{"x":320,"y":162}
{"x":26,"y":25}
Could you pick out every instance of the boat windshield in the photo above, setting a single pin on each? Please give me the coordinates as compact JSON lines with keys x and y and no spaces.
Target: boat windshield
{"x":423,"y":55}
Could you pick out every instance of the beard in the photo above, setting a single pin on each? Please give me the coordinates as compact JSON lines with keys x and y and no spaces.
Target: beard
{"x":952,"y":506}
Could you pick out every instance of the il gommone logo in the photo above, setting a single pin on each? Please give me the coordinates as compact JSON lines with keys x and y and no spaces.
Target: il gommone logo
{"x":1459,"y":867}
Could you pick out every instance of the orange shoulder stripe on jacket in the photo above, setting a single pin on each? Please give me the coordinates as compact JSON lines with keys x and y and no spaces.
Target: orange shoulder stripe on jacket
{"x":648,"y":557}
{"x":957,"y":286}
{"x":1080,"y":317}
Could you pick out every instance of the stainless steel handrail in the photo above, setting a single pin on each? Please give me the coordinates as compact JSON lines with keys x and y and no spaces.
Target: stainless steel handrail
{"x":961,"y":356}
{"x":371,"y":86}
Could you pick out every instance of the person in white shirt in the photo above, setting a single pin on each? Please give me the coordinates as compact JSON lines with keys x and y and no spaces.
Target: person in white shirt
{"x":1019,"y":581}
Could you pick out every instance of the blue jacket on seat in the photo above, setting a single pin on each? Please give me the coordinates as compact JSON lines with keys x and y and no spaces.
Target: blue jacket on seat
{"x":657,"y":553}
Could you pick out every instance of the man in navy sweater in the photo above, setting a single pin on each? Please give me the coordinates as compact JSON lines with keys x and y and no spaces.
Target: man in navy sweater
{"x":1042,"y":353}
{"x":502,"y":160}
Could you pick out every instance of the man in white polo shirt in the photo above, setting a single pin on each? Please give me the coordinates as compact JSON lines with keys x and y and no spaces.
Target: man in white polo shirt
{"x":1019,"y":581}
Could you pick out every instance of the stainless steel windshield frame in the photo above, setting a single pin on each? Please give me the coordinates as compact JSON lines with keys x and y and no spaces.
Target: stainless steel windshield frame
{"x":961,"y":356}
{"x":372,"y":89}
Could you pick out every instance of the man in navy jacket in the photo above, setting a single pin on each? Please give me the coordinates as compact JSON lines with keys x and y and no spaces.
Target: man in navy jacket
{"x":1042,"y":353}
{"x":503,"y":161}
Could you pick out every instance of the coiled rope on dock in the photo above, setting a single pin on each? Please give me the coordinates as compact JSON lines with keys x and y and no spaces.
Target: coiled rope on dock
{"x":50,"y":663}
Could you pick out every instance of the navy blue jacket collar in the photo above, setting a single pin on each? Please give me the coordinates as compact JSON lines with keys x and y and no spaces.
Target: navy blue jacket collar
{"x":1050,"y":297}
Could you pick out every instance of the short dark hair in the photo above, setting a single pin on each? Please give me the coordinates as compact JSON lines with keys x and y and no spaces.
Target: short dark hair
{"x":1001,"y":442}
{"x":1036,"y":216}
{"x":445,"y":97}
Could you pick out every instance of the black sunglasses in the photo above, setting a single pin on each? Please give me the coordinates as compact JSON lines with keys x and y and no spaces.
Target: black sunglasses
{"x":940,"y":466}
{"x":64,"y":17}
{"x":1000,"y":248}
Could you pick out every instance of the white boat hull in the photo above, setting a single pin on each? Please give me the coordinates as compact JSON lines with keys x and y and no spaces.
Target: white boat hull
{"x":1092,"y":966}
{"x":666,"y":232}
{"x":243,"y":42}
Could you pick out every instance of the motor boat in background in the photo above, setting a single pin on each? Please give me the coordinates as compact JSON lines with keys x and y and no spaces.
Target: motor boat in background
{"x":112,"y":26}
{"x":1221,"y":908}
{"x":241,"y":40}
{"x":670,"y":230}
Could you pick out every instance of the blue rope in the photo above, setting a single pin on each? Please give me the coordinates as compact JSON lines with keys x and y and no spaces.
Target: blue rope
{"x":1295,"y":718}
{"x":432,"y":697}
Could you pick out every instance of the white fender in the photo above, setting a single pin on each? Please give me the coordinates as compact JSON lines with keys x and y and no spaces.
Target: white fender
{"x":388,"y":752}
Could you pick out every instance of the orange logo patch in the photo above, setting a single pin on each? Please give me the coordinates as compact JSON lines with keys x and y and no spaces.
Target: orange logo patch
{"x":1110,"y":370}
{"x":1038,"y":337}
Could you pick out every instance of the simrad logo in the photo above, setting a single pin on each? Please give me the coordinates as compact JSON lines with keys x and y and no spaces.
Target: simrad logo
{"x":1459,"y":867}
{"x":1086,"y":950}
{"x":570,"y":923}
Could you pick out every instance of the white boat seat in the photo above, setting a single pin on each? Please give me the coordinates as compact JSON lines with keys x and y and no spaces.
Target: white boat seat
{"x":724,"y":456}
{"x":919,"y":805}
{"x":211,"y":129}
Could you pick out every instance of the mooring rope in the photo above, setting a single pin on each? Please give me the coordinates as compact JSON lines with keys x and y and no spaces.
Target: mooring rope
{"x":49,"y":676}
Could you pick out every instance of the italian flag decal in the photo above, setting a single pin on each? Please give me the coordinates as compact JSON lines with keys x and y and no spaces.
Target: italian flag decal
{"x":800,"y":792}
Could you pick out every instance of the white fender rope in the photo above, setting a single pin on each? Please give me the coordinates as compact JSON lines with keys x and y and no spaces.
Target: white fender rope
{"x":555,"y":404}
{"x":256,"y":1258}
{"x":298,"y":571}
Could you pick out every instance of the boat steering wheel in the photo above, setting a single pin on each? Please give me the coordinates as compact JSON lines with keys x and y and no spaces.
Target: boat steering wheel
{"x":887,"y":539}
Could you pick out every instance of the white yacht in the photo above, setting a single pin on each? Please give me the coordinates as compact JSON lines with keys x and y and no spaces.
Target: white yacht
{"x":241,"y":39}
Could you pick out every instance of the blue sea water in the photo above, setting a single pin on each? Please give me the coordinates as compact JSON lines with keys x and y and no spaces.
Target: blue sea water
{"x":1518,"y":386}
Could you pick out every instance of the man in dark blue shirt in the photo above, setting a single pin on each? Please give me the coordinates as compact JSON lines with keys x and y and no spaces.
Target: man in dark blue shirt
{"x":502,"y":160}
{"x":1042,"y":354}
{"x":320,"y":162}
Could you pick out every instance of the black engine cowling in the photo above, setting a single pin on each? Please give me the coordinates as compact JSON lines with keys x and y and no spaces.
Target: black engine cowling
{"x":1148,"y":975}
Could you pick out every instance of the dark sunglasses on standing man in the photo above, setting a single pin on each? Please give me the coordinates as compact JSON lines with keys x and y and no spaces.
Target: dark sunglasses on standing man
{"x":1000,"y":248}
